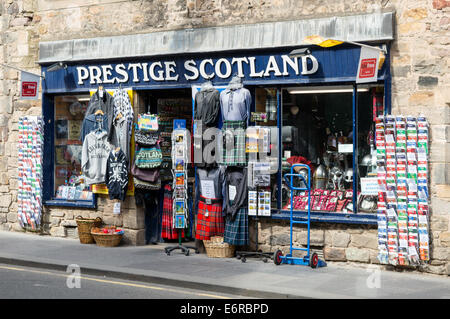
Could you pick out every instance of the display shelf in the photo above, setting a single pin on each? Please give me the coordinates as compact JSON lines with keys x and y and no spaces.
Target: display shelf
{"x":328,"y":217}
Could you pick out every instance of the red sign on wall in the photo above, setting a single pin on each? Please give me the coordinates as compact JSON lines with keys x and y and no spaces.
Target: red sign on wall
{"x":368,"y":68}
{"x":29,"y":86}
{"x":29,"y":89}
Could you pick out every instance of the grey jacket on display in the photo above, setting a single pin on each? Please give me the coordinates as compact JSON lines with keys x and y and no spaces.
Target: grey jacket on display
{"x":120,"y":137}
{"x":106,"y":104}
{"x":207,"y":107}
{"x":91,"y":123}
{"x":94,"y":155}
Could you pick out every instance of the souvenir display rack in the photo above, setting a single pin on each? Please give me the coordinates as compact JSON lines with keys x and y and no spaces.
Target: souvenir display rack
{"x":403,"y":195}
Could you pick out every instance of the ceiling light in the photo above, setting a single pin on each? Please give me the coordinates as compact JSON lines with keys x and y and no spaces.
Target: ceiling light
{"x":299,"y":53}
{"x":325,"y":89}
{"x":57,"y":66}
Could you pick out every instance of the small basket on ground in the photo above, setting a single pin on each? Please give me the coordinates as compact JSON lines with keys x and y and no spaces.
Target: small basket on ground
{"x":217,"y":248}
{"x":84,"y":228}
{"x":109,"y":239}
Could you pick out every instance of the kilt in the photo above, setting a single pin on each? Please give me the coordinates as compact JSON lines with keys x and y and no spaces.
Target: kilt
{"x":167,"y":230}
{"x":234,"y":154}
{"x":236,"y":231}
{"x":211,"y":225}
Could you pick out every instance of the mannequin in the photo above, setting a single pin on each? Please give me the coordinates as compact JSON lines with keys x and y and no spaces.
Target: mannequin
{"x":294,"y":110}
{"x":235,"y":83}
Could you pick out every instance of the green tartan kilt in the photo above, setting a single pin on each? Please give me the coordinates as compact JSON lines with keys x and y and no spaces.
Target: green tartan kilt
{"x":236,"y":231}
{"x":234,"y":136}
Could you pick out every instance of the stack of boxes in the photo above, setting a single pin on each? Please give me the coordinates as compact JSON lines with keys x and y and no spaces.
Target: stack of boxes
{"x":29,"y":197}
{"x":402,"y":168}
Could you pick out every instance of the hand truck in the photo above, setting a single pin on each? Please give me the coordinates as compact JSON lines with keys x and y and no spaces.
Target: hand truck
{"x":310,"y":259}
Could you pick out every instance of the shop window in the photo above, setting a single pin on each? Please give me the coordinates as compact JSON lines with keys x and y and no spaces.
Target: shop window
{"x":69,"y":187}
{"x":317,"y":130}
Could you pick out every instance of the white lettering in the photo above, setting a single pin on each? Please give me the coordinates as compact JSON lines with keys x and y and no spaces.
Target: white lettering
{"x":202,"y":69}
{"x":144,"y":68}
{"x":160,"y":76}
{"x":315,"y":65}
{"x":272,"y":66}
{"x":169,"y":70}
{"x":292,"y":63}
{"x":240,"y":71}
{"x":253,"y":73}
{"x":135,"y":66}
{"x":107,"y":73}
{"x":95,"y":73}
{"x":83,"y":74}
{"x":120,"y":69}
{"x":190,"y":66}
{"x":227,"y":67}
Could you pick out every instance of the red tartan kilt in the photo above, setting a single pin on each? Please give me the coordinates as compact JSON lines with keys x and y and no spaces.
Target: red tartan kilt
{"x":211,"y":225}
{"x":167,"y":230}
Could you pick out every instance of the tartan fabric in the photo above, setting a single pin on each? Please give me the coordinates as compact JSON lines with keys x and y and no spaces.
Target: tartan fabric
{"x":211,"y":225}
{"x":236,"y":231}
{"x":234,"y":155}
{"x":167,"y":230}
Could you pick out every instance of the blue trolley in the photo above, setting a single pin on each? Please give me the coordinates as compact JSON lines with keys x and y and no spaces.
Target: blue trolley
{"x":310,"y":259}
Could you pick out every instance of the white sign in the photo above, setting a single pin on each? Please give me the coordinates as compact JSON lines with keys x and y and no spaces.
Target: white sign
{"x":369,"y":186}
{"x":368,"y":65}
{"x":29,"y":86}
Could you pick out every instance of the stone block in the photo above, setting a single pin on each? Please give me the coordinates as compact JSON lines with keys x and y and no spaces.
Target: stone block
{"x":57,"y":213}
{"x":367,"y":240}
{"x":69,"y":223}
{"x":334,"y":254}
{"x":440,"y":4}
{"x":357,"y":254}
{"x":133,"y":237}
{"x":54,"y":221}
{"x":5,"y":200}
{"x":317,"y":237}
{"x":134,"y":219}
{"x":421,"y":98}
{"x":444,"y":239}
{"x":427,"y":81}
{"x":3,"y":218}
{"x":12,"y":217}
{"x":340,"y":239}
{"x":439,"y":223}
{"x":279,"y":240}
{"x":440,"y":253}
{"x":57,"y":231}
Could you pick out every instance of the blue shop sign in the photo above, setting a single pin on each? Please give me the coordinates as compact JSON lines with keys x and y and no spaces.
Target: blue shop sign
{"x":338,"y":64}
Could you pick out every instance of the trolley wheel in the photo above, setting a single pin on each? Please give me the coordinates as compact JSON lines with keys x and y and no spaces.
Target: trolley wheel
{"x":238,"y":257}
{"x":264,"y":260}
{"x":277,"y":257}
{"x":168,"y":253}
{"x":314,"y":260}
{"x":243,"y":259}
{"x":187,"y":252}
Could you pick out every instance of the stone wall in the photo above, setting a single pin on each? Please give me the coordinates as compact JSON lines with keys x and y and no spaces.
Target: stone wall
{"x":419,"y":64}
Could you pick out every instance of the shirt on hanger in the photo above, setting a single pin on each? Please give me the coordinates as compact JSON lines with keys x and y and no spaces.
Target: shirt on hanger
{"x":235,"y":104}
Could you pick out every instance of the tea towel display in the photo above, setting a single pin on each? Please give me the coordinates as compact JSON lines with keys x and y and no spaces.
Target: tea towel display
{"x":29,"y":195}
{"x":403,"y":196}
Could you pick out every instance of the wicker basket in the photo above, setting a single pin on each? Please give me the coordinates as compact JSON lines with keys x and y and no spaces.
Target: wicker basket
{"x":216,"y":248}
{"x":106,"y":240}
{"x":84,"y":228}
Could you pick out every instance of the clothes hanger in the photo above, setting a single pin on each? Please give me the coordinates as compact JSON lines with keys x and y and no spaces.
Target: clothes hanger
{"x":99,"y":112}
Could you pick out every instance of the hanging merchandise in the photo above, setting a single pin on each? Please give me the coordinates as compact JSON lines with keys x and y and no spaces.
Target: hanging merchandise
{"x":148,"y":156}
{"x":209,"y":203}
{"x":101,"y":100}
{"x":179,"y":169}
{"x":123,"y":108}
{"x":29,"y":196}
{"x":94,"y":155}
{"x":116,"y":178}
{"x":207,"y":105}
{"x":235,"y":207}
{"x":402,"y":170}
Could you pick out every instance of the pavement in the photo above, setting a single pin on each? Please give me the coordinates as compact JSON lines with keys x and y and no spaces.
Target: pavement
{"x":254,"y":278}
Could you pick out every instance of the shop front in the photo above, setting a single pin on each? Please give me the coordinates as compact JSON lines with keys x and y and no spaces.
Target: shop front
{"x":306,"y":109}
